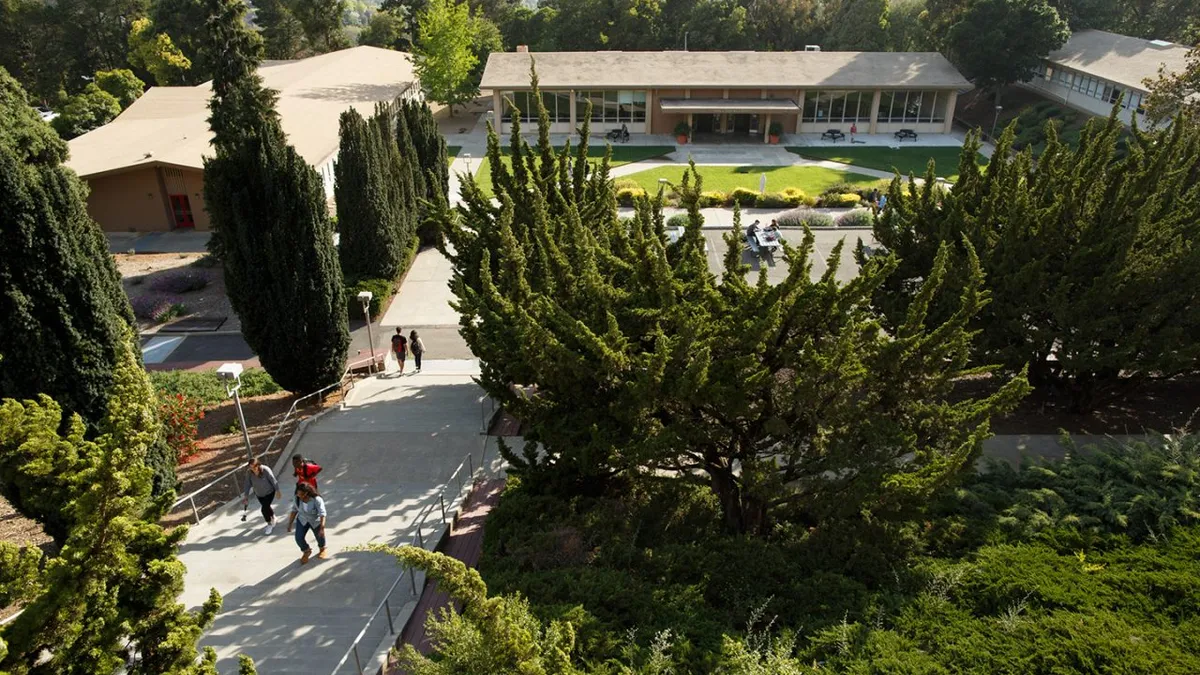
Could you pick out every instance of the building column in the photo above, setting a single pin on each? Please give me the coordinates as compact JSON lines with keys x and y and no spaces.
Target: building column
{"x":691,"y":126}
{"x":800,"y":102}
{"x":572,"y":109}
{"x":767,"y":130}
{"x":498,"y":111}
{"x":875,"y":111}
{"x":649,"y":109}
{"x":724,"y":123}
{"x":950,"y":105}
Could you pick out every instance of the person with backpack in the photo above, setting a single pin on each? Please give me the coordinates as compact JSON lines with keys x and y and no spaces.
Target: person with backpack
{"x":400,"y":347}
{"x":305,"y":471}
{"x":417,"y":347}
{"x":309,"y":509}
{"x":262,"y":484}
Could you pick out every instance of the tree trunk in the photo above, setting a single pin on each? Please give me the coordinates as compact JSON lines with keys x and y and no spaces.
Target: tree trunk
{"x":742,"y":513}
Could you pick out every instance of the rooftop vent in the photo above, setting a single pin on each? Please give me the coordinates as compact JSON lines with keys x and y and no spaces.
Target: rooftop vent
{"x":812,"y":48}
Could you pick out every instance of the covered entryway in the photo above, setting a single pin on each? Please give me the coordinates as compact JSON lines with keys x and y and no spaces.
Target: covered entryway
{"x":732,"y":120}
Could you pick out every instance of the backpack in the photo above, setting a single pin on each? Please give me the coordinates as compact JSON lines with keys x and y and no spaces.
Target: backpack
{"x":307,"y":473}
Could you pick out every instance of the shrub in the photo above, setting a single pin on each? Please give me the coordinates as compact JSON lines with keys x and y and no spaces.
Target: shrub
{"x":778,"y":200}
{"x":797,"y":197}
{"x":856,"y":218}
{"x":207,"y":387}
{"x":842,"y":189}
{"x":682,"y":129}
{"x":839,"y":201}
{"x":775,"y":129}
{"x":157,"y":308}
{"x":679,"y":220}
{"x":209,"y":261}
{"x":180,"y":414}
{"x":626,"y":196}
{"x":622,"y":183}
{"x":710,"y":199}
{"x":381,"y":293}
{"x":804,"y":218}
{"x":180,"y":281}
{"x":744,"y":197}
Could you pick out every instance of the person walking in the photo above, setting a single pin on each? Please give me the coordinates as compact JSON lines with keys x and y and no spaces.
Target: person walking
{"x":262,"y":484}
{"x":417,"y":347}
{"x":400,"y":347}
{"x":308,"y":513}
{"x":305,"y":471}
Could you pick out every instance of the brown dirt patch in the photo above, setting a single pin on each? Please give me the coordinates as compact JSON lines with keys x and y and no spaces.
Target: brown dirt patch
{"x":1165,"y":407}
{"x":138,"y":272}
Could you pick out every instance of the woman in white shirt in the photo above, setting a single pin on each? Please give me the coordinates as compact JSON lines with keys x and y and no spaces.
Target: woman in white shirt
{"x":309,"y":509}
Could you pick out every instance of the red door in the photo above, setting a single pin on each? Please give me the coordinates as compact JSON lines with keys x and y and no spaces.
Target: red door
{"x":182,"y":209}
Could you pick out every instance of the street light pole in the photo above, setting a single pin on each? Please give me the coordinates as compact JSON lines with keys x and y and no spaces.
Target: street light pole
{"x":232,"y":372}
{"x":994,"y":121}
{"x":365,"y":298}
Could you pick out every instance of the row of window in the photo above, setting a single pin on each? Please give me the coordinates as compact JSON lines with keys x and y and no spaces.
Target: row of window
{"x":1092,"y":86}
{"x":608,"y":107}
{"x":839,"y":107}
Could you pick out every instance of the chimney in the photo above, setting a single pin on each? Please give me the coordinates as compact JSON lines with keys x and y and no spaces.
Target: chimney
{"x":522,"y":49}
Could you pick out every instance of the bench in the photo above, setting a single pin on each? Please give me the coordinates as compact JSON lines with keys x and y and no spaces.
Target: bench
{"x":905,"y":133}
{"x":834,"y":135}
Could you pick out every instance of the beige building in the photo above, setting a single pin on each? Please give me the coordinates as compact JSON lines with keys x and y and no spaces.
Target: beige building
{"x":1094,"y":69}
{"x":729,"y":94}
{"x":146,"y":168}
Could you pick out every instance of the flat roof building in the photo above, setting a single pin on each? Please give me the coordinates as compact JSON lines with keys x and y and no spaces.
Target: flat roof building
{"x":146,"y":168}
{"x":729,"y":94}
{"x":1095,"y":68}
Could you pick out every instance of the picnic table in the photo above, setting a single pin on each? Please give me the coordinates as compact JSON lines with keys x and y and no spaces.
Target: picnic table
{"x":675,"y":233}
{"x":768,"y":239}
{"x":905,"y":133}
{"x":834,"y":135}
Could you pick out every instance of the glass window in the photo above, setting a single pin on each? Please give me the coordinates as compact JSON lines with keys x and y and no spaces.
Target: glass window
{"x":928,"y":105}
{"x":637,"y":107}
{"x":810,"y":106}
{"x":885,"y":105}
{"x":837,"y":106}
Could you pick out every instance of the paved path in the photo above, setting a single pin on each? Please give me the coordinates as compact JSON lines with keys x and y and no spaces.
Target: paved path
{"x":385,"y":457}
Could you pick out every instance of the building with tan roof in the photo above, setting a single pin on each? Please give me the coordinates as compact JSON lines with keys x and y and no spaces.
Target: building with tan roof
{"x":729,"y":94}
{"x":1095,"y":68}
{"x":146,"y":168}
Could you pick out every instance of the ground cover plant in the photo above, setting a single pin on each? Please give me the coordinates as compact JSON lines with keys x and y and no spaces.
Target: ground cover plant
{"x":207,"y":388}
{"x":810,"y":180}
{"x":905,"y":160}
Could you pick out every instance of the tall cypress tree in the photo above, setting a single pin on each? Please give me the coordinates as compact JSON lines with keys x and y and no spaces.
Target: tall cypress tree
{"x":375,"y":206}
{"x":270,"y":219}
{"x":426,"y":153}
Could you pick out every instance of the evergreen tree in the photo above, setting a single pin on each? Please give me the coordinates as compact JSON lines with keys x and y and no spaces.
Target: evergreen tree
{"x":430,"y":166}
{"x":270,"y":220}
{"x":282,"y":31}
{"x":375,"y":204}
{"x":23,"y":131}
{"x":1088,"y":255}
{"x":108,"y":599}
{"x":790,"y":399}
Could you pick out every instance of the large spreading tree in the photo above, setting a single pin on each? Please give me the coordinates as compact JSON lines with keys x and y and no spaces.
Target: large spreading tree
{"x":376,"y":200}
{"x":270,"y":220}
{"x":1172,"y":93}
{"x":444,"y":59}
{"x":623,"y":353}
{"x":1089,"y":253}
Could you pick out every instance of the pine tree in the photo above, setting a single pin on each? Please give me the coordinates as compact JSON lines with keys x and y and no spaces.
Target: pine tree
{"x":431,"y":169}
{"x":1086,"y":252}
{"x":789,"y":398}
{"x":270,"y":220}
{"x":109,"y":597}
{"x":376,"y":210}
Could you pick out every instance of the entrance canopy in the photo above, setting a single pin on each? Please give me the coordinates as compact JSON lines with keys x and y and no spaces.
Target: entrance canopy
{"x":729,"y":105}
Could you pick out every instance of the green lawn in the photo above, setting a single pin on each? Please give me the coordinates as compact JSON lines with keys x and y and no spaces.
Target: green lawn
{"x":452,"y":151}
{"x":623,"y":154}
{"x":905,"y":160}
{"x":811,"y":179}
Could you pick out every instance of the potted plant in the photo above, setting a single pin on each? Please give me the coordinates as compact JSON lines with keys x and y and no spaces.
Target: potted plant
{"x":682,"y":132}
{"x":774,"y":132}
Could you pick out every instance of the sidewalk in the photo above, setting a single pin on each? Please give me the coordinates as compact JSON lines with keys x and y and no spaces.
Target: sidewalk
{"x":386,"y":456}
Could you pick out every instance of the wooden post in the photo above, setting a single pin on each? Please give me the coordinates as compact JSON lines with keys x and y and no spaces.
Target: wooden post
{"x":800,"y":103}
{"x":875,"y":111}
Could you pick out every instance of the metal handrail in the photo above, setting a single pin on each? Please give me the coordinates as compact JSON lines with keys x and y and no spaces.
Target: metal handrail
{"x":415,"y":540}
{"x":340,"y":384}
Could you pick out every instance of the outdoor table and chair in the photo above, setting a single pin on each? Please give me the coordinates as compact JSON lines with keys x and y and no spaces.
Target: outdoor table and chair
{"x":905,"y":133}
{"x":768,"y":240}
{"x":621,"y":135}
{"x":834,"y":135}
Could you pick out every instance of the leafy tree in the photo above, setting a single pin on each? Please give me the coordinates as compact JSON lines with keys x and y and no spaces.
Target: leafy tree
{"x":109,"y":598}
{"x":154,"y":52}
{"x":270,"y":220}
{"x":122,"y":84}
{"x":443,"y":50}
{"x":1172,"y":93}
{"x":905,"y":31}
{"x":281,"y":30}
{"x":246,"y":665}
{"x":23,"y":131}
{"x":376,"y":202}
{"x":90,"y":109}
{"x":387,"y":29}
{"x":485,"y":39}
{"x":859,"y":26}
{"x":709,"y":24}
{"x":410,"y":11}
{"x":1087,"y":253}
{"x":790,"y":399}
{"x":321,"y":21}
{"x":998,"y":42}
{"x":183,"y":22}
{"x":92,"y":36}
{"x":783,"y":24}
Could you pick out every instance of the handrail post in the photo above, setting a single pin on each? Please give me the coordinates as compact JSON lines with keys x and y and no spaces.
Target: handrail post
{"x":471,"y":467}
{"x":420,"y":539}
{"x":356,"y":661}
{"x":388,"y":608}
{"x":195,"y":513}
{"x":443,"y":503}
{"x":412,"y":579}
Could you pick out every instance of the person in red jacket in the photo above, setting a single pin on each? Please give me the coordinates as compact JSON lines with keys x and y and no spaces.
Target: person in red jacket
{"x":305,"y":471}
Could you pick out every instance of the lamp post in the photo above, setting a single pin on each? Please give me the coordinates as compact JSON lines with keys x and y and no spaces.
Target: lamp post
{"x":365,"y":298}
{"x":231,"y":374}
{"x":467,"y":158}
{"x":994,"y":121}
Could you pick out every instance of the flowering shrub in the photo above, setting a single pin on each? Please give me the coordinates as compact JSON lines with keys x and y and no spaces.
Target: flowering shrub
{"x":180,"y":281}
{"x":179,"y":415}
{"x":856,"y":218}
{"x":157,"y":308}
{"x":804,"y":218}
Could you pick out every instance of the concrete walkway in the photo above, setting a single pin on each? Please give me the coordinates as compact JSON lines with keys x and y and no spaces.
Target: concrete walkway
{"x":386,"y":456}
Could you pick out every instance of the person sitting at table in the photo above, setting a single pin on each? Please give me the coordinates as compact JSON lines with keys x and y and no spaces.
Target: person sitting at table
{"x":752,"y":229}
{"x":773,"y":227}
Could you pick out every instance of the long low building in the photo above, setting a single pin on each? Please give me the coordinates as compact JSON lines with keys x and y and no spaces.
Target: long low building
{"x":729,"y":94}
{"x":1095,"y":69}
{"x":145,"y":169}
